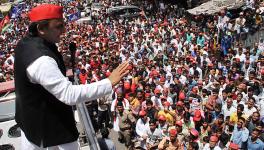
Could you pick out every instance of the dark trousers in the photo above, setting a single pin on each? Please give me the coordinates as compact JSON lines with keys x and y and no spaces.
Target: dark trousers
{"x":103,"y":117}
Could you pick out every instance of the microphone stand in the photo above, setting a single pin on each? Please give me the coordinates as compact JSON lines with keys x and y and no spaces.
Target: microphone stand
{"x":72,"y":48}
{"x":82,"y":110}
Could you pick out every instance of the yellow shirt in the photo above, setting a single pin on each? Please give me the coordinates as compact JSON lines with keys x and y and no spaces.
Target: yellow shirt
{"x":169,"y":117}
{"x":135,"y":103}
{"x":234,"y":117}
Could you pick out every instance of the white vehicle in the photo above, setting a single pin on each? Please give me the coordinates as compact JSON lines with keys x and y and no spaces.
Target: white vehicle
{"x":10,"y":135}
{"x":97,"y":6}
{"x":125,"y":11}
{"x":84,"y":20}
{"x":7,"y":113}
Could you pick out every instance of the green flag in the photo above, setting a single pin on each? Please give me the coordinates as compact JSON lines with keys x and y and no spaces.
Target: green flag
{"x":6,"y":27}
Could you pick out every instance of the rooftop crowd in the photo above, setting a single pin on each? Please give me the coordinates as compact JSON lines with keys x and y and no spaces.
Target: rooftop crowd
{"x":192,"y":84}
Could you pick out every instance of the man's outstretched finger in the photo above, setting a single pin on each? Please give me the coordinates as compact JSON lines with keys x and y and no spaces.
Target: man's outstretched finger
{"x":123,"y":65}
{"x":124,"y":73}
{"x":124,"y":68}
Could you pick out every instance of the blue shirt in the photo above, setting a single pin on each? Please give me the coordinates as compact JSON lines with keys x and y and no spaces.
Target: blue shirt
{"x":257,"y":145}
{"x":239,"y":136}
{"x":189,"y":38}
{"x":200,"y":41}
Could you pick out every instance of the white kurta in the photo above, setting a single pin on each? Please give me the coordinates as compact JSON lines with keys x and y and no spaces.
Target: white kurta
{"x":45,"y":71}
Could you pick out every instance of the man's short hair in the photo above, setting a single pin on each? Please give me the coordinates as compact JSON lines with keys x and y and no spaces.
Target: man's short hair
{"x":243,"y":119}
{"x":104,"y":132}
{"x":149,"y":102}
{"x":252,"y":99}
{"x":257,"y":130}
{"x":241,"y":107}
{"x":33,"y":27}
{"x":256,"y":112}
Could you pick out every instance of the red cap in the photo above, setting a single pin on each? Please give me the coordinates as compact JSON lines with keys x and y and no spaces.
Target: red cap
{"x":147,"y":94}
{"x":197,"y":115}
{"x":233,"y":146}
{"x":162,"y":117}
{"x":210,"y":65}
{"x":142,"y":113}
{"x":179,"y":123}
{"x":130,"y":67}
{"x":156,"y":91}
{"x":181,"y":96}
{"x":162,"y":79}
{"x":262,"y":72}
{"x":180,"y":103}
{"x":155,"y":73}
{"x":194,"y":90}
{"x":167,"y":103}
{"x":179,"y":71}
{"x":194,"y":132}
{"x":214,"y":138}
{"x":46,"y":11}
{"x":104,"y":66}
{"x":127,"y":85}
{"x":108,"y":73}
{"x":173,"y":132}
{"x":133,"y":87}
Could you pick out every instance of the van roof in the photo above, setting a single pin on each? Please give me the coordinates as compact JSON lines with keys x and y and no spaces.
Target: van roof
{"x":122,"y":7}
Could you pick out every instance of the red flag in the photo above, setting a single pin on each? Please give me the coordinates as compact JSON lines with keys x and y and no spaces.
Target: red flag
{"x":4,"y":22}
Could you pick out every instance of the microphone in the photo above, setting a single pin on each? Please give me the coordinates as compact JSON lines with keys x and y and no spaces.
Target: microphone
{"x":72,"y":48}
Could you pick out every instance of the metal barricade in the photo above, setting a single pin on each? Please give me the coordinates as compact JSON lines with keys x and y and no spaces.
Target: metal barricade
{"x":85,"y":120}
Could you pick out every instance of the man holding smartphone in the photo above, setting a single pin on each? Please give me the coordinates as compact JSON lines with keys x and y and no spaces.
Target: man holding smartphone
{"x":171,"y":142}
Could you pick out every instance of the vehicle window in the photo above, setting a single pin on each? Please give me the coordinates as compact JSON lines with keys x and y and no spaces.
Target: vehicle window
{"x":132,"y":10}
{"x":121,"y":12}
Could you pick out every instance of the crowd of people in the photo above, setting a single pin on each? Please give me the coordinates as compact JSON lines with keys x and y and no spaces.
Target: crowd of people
{"x":192,"y":84}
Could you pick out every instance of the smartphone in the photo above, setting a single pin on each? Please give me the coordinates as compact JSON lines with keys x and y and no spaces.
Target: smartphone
{"x":167,"y":141}
{"x":231,"y":128}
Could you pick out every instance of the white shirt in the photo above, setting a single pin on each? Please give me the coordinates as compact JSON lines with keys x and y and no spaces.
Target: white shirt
{"x":106,"y":100}
{"x":207,"y":147}
{"x":45,"y":71}
{"x":199,"y":70}
{"x":235,"y":103}
{"x":183,"y":79}
{"x":141,"y":127}
{"x":156,"y":101}
{"x":248,"y":111}
{"x":261,"y":108}
{"x":157,"y":134}
{"x":125,"y":104}
{"x":227,"y":112}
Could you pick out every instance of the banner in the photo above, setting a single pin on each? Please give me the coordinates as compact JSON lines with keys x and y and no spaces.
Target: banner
{"x":17,"y":10}
{"x":6,"y":28}
{"x":4,"y":22}
{"x":74,"y":16}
